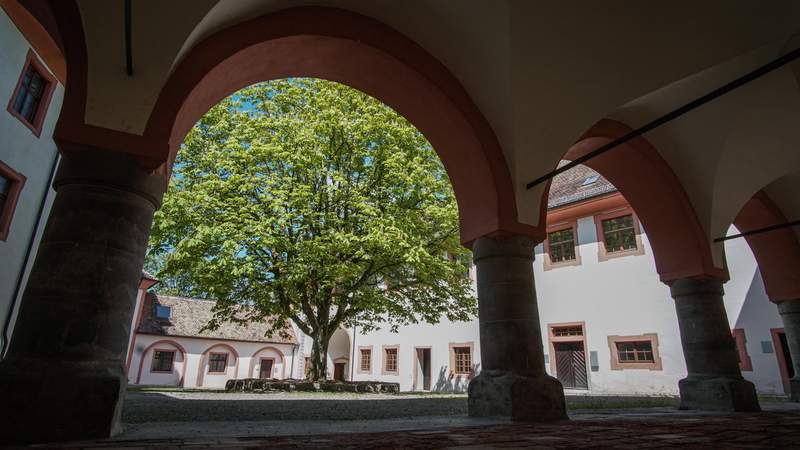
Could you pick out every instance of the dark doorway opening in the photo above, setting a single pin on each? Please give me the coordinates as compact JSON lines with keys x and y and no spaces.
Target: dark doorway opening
{"x":265,"y":372}
{"x":338,"y":371}
{"x":785,"y":363}
{"x":423,"y":369}
{"x":571,"y":365}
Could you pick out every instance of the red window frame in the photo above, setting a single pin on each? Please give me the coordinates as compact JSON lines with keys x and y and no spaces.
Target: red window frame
{"x":7,"y":213}
{"x":44,"y":103}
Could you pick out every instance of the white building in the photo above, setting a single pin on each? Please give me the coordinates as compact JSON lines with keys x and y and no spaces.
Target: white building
{"x":609,"y":325}
{"x":169,"y":347}
{"x":32,"y":74}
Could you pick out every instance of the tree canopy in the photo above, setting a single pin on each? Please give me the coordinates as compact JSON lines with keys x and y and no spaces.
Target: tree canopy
{"x":312,"y":202}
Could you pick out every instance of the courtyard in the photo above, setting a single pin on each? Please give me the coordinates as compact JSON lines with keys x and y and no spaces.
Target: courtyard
{"x":175,"y":418}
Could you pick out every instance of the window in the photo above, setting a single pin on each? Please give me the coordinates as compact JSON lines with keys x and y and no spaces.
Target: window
{"x":163,"y":312}
{"x":576,"y":330}
{"x":32,"y":95}
{"x":217,"y":362}
{"x":463,"y":360}
{"x":390,"y":360}
{"x":745,"y":364}
{"x":619,"y":234}
{"x":634,"y":352}
{"x":162,"y":361}
{"x":11,"y":184}
{"x":365,"y":364}
{"x":591,"y":179}
{"x":562,"y":246}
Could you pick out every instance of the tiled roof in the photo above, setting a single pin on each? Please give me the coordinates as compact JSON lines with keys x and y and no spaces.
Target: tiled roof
{"x":577,"y":184}
{"x":188,"y":316}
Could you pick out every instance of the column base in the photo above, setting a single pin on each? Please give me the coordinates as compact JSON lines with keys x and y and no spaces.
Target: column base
{"x":718,"y":394}
{"x":526,"y":399}
{"x":56,"y":401}
{"x":794,"y":389}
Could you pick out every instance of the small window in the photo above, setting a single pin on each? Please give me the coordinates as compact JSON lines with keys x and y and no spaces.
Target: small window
{"x":366,"y":360}
{"x":11,"y":184}
{"x":562,"y":246}
{"x":635,"y":352}
{"x":576,"y":330}
{"x":390,"y":360}
{"x":32,"y":95}
{"x":163,"y":312}
{"x":463,"y":360}
{"x":641,"y":351}
{"x":619,"y":234}
{"x":29,"y":95}
{"x":217,"y":362}
{"x":162,"y":361}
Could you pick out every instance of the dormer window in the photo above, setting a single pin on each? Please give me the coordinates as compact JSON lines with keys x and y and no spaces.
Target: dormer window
{"x":163,"y":312}
{"x":592,"y":179}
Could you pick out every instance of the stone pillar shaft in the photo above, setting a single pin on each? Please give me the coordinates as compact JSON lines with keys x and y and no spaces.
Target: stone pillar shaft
{"x":512,"y":381}
{"x":64,"y":372}
{"x":790,"y":315}
{"x":714,"y":381}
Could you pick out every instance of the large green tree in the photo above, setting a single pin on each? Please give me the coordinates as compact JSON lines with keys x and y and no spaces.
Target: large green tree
{"x":315,"y":203}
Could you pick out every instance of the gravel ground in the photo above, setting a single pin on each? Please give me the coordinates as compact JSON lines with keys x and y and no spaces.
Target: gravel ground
{"x":143,"y":407}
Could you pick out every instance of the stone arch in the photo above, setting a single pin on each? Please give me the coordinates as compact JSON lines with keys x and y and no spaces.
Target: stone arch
{"x":268,"y":347}
{"x":680,"y":246}
{"x":337,"y":45}
{"x":202,"y":364}
{"x":777,"y":252}
{"x":177,"y":346}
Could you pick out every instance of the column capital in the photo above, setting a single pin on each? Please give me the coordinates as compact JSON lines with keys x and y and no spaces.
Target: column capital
{"x":696,"y":286}
{"x":505,"y":245}
{"x":789,"y":306}
{"x":111,"y":170}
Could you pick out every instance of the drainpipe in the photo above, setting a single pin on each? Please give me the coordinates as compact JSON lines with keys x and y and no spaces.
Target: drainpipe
{"x":353,"y":354}
{"x":27,"y":261}
{"x":291,"y":371}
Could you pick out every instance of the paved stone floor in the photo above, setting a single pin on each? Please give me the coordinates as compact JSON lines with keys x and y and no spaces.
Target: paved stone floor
{"x":390,"y":426}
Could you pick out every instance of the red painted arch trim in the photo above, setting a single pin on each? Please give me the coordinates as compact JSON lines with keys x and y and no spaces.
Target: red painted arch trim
{"x":201,"y":365}
{"x":680,"y":246}
{"x":777,"y":252}
{"x":38,"y":37}
{"x":168,"y":342}
{"x":337,"y":45}
{"x":268,"y":347}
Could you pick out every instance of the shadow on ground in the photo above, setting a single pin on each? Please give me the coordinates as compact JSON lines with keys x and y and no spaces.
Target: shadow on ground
{"x":141,"y":407}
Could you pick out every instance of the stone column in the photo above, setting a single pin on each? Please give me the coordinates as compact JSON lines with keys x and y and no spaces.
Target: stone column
{"x":790,"y":315}
{"x":63,"y":377}
{"x":512,"y":381}
{"x":714,"y":381}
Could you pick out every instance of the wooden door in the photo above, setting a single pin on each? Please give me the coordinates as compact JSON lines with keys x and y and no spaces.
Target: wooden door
{"x":571,"y":365}
{"x":338,"y":371}
{"x":424,"y":361}
{"x":266,"y":368}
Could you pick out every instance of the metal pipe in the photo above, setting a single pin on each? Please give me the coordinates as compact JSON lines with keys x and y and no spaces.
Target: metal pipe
{"x":672,"y":115}
{"x":759,"y":231}
{"x":128,"y":43}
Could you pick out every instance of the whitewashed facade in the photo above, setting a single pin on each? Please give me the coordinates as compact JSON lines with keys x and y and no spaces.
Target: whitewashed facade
{"x":28,"y":157}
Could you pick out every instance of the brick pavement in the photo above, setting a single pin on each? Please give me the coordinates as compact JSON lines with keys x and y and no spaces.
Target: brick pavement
{"x":770,"y":430}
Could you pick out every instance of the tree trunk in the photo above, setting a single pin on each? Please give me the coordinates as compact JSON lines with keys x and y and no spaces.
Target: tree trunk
{"x":319,"y":358}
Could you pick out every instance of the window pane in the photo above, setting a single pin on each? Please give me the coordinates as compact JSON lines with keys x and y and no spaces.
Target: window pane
{"x":217,"y":362}
{"x":162,"y":361}
{"x":390,"y":360}
{"x":463,"y":359}
{"x":619,"y":234}
{"x":366,"y":360}
{"x":562,"y":245}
